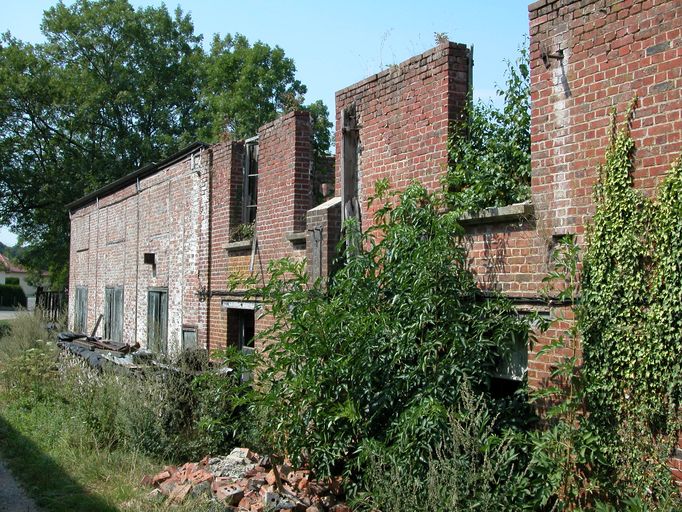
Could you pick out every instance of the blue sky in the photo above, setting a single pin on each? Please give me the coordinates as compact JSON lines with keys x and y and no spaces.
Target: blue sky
{"x":335,"y":44}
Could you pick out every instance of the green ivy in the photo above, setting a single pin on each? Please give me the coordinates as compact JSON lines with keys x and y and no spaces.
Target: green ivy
{"x":630,"y":317}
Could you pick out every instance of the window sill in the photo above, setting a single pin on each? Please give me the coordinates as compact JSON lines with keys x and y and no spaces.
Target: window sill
{"x":238,"y":246}
{"x":296,"y":237}
{"x":498,"y":215}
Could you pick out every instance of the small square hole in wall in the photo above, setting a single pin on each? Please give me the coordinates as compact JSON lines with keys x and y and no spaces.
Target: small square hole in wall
{"x":150,"y":259}
{"x":558,"y":240}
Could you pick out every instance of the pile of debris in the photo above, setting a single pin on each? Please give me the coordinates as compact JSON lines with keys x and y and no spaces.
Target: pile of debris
{"x":244,"y":481}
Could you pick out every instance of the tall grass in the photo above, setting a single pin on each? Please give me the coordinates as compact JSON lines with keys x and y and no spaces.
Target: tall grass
{"x":81,"y":439}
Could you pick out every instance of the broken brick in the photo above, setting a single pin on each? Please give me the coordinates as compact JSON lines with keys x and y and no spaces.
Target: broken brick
{"x":179,"y":493}
{"x":160,"y":477}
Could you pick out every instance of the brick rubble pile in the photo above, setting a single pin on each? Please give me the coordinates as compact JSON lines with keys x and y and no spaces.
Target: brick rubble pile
{"x":245,"y":482}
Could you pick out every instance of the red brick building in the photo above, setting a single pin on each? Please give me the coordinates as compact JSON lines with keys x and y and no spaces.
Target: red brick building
{"x":159,"y":239}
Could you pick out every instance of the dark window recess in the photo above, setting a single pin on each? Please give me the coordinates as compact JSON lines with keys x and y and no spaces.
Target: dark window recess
{"x":250,"y":189}
{"x":349,"y":164}
{"x":80,"y":310}
{"x":113,"y":313}
{"x":157,"y":321}
{"x":241,"y":328}
{"x":189,"y":338}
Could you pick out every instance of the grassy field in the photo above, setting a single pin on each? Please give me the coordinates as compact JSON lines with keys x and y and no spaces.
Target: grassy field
{"x":50,"y":448}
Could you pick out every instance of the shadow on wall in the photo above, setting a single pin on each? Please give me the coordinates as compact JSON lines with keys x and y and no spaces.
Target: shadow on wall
{"x":57,"y":490}
{"x":494,"y":256}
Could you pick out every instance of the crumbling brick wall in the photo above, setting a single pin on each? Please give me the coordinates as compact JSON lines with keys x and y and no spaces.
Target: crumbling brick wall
{"x":403,"y":119}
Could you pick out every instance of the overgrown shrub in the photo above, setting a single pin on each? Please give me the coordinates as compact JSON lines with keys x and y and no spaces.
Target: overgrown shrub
{"x":375,"y":360}
{"x":12,"y":296}
{"x":476,"y":468}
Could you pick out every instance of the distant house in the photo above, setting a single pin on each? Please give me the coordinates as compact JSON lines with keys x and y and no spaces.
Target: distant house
{"x":11,"y":273}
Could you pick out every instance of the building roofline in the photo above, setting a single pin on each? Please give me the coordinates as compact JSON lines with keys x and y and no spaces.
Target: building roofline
{"x":133,"y":176}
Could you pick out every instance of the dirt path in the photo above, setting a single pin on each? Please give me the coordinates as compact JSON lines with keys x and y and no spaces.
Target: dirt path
{"x":12,"y":496}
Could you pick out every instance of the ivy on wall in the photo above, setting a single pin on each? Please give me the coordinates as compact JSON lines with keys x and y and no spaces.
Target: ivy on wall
{"x":631,"y":310}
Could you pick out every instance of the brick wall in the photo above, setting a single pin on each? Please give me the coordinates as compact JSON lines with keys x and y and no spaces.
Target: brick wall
{"x":284,"y":197}
{"x":226,"y":183}
{"x":165,"y":213}
{"x":404,"y":114}
{"x":612,"y":51}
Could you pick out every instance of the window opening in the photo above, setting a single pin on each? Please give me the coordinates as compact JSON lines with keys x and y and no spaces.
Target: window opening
{"x":113,"y":313}
{"x":241,"y":322}
{"x":157,"y":320}
{"x":250,"y":188}
{"x":350,"y":181}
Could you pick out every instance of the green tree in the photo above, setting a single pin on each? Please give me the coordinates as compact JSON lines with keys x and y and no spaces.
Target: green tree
{"x":247,"y":86}
{"x":111,"y":89}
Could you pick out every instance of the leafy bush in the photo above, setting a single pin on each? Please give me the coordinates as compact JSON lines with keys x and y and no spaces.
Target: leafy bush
{"x":490,"y":147}
{"x":377,"y":357}
{"x":12,"y":296}
{"x":12,"y":281}
{"x":475,"y":469}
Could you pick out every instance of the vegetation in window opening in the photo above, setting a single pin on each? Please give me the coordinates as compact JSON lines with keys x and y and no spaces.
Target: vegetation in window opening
{"x":243,"y":232}
{"x":490,"y":146}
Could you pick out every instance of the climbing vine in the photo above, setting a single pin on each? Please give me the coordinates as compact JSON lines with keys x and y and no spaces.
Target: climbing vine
{"x":631,"y":310}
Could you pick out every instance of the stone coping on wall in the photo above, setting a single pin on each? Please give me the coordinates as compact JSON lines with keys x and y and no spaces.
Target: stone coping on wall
{"x":498,"y":214}
{"x":296,"y":237}
{"x":238,"y":246}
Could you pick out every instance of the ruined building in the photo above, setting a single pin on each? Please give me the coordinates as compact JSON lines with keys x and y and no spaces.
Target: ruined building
{"x":152,"y":251}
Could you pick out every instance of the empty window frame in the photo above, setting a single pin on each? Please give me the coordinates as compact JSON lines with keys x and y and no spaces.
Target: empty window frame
{"x":241,"y":328}
{"x":350,"y":179}
{"x":80,"y":309}
{"x":250,"y":188}
{"x":113,"y":313}
{"x":157,"y":320}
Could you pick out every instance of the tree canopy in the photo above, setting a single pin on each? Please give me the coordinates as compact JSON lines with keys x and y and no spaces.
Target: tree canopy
{"x":111,"y":89}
